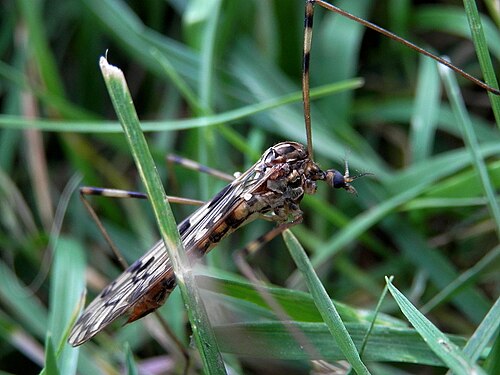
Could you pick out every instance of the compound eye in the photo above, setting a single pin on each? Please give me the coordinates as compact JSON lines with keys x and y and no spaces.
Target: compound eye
{"x":338,"y":180}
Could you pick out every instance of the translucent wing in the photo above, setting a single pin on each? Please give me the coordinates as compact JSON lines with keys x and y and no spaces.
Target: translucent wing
{"x":121,"y":294}
{"x":144,"y":274}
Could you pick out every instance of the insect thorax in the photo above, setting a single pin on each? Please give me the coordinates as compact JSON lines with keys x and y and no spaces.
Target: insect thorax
{"x":290,"y":174}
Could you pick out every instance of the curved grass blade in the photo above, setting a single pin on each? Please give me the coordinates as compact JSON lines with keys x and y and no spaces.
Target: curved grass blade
{"x":19,"y":122}
{"x":472,"y":143}
{"x":439,"y":343}
{"x":202,"y":330}
{"x":324,"y":304}
{"x":271,"y":340}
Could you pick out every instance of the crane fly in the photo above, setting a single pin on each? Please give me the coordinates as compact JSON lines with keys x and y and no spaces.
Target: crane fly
{"x":272,"y":189}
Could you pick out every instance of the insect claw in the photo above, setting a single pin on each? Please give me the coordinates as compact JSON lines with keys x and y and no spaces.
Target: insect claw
{"x":351,"y":190}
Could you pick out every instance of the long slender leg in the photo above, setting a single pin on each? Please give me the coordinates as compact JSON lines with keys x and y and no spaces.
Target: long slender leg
{"x":403,"y":41}
{"x":254,"y":246}
{"x":172,"y":159}
{"x":103,"y":231}
{"x":116,"y":193}
{"x":243,"y":266}
{"x":306,"y":58}
{"x":193,"y":165}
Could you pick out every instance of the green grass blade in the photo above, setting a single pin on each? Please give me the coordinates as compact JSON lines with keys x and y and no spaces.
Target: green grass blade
{"x":484,"y":333}
{"x":324,"y":304}
{"x":272,"y":340}
{"x":439,"y":343}
{"x":297,"y":304}
{"x":50,"y":359}
{"x":202,"y":330}
{"x":472,"y":143}
{"x":372,"y":323}
{"x":19,"y":300}
{"x":17,"y":122}
{"x":462,"y":281}
{"x":492,"y":362}
{"x":129,"y":359}
{"x":67,"y":286}
{"x":483,"y":54}
{"x":425,"y":114}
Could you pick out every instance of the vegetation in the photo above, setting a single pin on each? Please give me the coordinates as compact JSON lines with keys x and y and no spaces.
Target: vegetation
{"x":219,"y":82}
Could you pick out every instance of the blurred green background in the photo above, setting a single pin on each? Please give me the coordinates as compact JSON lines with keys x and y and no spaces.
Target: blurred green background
{"x":423,"y":217}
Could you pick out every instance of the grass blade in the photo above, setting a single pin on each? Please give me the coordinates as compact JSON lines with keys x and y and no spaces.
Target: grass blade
{"x":50,"y":359}
{"x":324,"y":304}
{"x":67,"y":286}
{"x":472,"y":143}
{"x":483,"y":55}
{"x":439,"y":343}
{"x":484,"y":333}
{"x":20,"y":122}
{"x":272,"y":340}
{"x":202,"y":330}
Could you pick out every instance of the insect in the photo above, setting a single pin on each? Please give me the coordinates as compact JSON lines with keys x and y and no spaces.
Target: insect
{"x":272,"y":188}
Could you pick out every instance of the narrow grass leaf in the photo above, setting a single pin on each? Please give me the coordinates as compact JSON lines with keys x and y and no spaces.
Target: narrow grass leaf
{"x":50,"y":359}
{"x":425,"y":113}
{"x":439,"y":343}
{"x":372,"y":323}
{"x":129,"y":361}
{"x":483,"y":334}
{"x":324,"y":304}
{"x":202,"y":330}
{"x":472,"y":143}
{"x":492,"y":362}
{"x":272,"y":340}
{"x":20,"y":122}
{"x":66,"y":289}
{"x":20,"y":302}
{"x":297,"y":304}
{"x":479,"y":38}
{"x":464,"y":280}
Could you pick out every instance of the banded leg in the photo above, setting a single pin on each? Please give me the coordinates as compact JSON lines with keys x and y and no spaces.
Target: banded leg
{"x":116,"y":193}
{"x":195,"y":166}
{"x":172,"y":159}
